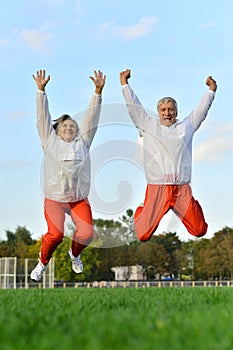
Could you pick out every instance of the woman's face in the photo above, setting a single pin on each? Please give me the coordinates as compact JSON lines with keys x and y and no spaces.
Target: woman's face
{"x":67,"y":130}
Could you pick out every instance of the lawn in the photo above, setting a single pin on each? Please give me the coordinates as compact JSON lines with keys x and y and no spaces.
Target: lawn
{"x":124,"y":319}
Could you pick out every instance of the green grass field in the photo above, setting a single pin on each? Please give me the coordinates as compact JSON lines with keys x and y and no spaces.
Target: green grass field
{"x":94,"y":319}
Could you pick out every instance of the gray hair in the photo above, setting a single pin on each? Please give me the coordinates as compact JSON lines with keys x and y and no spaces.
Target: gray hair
{"x":61,"y":119}
{"x":166,"y":100}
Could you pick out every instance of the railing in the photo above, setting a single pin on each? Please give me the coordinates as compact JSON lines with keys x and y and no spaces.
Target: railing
{"x":10,"y":276}
{"x":13,"y":270}
{"x":131,"y":284}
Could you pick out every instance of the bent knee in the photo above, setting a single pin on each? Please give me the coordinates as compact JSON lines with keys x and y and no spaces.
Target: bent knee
{"x":89,"y":237}
{"x":144,"y":236}
{"x":58,"y":237}
{"x":85,"y":237}
{"x":200,"y":231}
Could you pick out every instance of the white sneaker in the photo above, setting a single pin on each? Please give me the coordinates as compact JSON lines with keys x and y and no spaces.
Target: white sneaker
{"x":38,"y":271}
{"x":77,"y":265}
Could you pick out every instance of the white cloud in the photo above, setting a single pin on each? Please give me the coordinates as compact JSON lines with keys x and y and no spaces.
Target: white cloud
{"x":219,"y":147}
{"x":78,"y":7}
{"x":14,"y":165}
{"x":36,"y":39}
{"x":208,"y":24}
{"x":226,"y":129}
{"x":4,"y":42}
{"x":104,"y":29}
{"x":143,"y":27}
{"x":55,"y":2}
{"x":18,"y":115}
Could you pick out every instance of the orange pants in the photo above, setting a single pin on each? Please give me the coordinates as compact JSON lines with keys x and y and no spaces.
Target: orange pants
{"x":159,"y":199}
{"x":81,"y":215}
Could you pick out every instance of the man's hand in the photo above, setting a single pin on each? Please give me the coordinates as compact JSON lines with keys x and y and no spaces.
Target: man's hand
{"x":41,"y":79}
{"x":99,"y":81}
{"x":211,"y":83}
{"x":124,"y":76}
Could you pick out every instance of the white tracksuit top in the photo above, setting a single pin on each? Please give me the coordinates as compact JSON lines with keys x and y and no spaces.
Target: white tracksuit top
{"x":67,"y":168}
{"x":167,"y":151}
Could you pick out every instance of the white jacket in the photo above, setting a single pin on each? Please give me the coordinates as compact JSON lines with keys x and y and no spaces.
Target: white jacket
{"x":167,"y":151}
{"x":67,"y":168}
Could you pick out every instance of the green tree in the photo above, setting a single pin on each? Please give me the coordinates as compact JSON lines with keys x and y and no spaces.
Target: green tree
{"x":154,"y":258}
{"x":187,"y":261}
{"x":202,"y":264}
{"x":219,"y":254}
{"x":172,"y":246}
{"x":17,"y":243}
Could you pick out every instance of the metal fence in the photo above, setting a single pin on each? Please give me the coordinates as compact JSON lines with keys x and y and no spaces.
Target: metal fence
{"x":143,"y":284}
{"x":15,"y":273}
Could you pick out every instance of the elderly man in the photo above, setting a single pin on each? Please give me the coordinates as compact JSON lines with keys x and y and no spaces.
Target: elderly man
{"x":167,"y":154}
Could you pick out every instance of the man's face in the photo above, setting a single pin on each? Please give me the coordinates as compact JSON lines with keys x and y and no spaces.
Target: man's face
{"x":67,"y":130}
{"x":167,"y":113}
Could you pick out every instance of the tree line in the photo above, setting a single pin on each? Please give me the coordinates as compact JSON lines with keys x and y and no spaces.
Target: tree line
{"x":164,"y":255}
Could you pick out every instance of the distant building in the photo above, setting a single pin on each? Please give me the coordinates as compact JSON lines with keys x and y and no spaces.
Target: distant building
{"x":128,"y":273}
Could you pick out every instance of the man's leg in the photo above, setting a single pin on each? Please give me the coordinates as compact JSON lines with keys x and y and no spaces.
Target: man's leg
{"x":148,"y":216}
{"x":190,"y":212}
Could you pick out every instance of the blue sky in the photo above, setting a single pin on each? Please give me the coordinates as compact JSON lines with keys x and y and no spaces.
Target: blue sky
{"x":170,"y":47}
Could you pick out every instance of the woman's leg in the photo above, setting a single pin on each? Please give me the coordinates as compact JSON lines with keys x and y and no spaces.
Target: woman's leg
{"x":82,"y":217}
{"x":55,"y":217}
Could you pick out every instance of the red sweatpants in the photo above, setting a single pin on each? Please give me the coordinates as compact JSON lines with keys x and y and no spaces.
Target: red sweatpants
{"x":159,"y":199}
{"x":81,"y":215}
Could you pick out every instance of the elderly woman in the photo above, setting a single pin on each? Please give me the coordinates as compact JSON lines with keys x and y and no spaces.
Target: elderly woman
{"x":66,"y":173}
{"x":167,"y":153}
